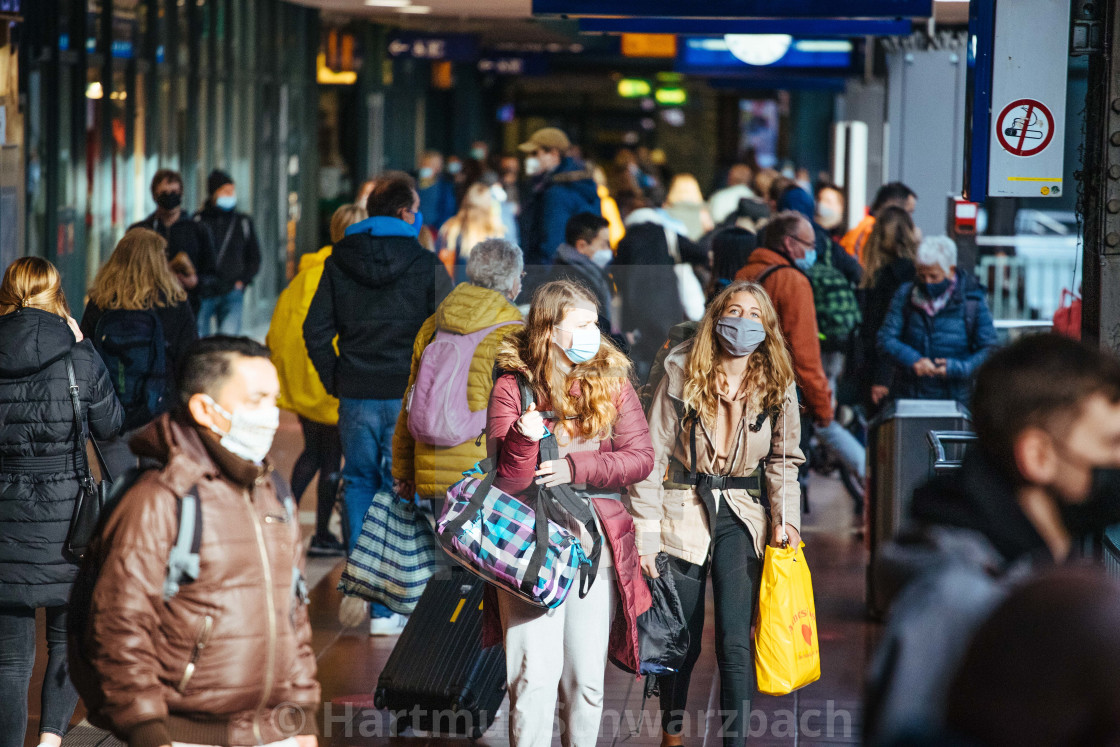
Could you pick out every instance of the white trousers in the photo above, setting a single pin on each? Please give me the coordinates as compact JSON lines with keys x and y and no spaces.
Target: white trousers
{"x":560,"y":652}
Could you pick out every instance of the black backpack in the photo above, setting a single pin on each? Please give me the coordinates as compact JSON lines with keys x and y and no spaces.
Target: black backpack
{"x":134,"y":350}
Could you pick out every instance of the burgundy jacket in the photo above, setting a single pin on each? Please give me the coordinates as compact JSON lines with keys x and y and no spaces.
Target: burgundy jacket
{"x":622,"y":460}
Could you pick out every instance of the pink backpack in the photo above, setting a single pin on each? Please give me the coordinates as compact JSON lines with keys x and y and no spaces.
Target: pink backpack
{"x":438,"y":412}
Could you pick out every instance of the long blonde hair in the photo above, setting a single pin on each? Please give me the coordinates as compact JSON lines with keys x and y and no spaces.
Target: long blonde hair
{"x":684,"y":189}
{"x":33,"y":283}
{"x":893,"y":237}
{"x":137,"y":276}
{"x":343,"y":218}
{"x":477,"y":220}
{"x":769,"y":369}
{"x":593,"y":413}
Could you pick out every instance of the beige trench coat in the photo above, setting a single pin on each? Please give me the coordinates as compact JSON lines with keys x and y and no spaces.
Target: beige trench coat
{"x":674,"y":520}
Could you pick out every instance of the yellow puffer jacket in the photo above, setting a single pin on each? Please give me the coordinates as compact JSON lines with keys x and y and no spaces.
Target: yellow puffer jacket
{"x":467,"y":309}
{"x":301,"y":390}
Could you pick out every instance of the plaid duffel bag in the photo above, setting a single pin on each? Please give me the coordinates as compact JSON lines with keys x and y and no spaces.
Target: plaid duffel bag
{"x":510,"y":544}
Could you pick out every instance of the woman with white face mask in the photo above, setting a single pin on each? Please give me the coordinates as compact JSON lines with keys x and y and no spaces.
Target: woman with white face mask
{"x":725,"y":426}
{"x":582,"y":395}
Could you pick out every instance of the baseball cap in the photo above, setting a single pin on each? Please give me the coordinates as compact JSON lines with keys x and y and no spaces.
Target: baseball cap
{"x":552,"y":138}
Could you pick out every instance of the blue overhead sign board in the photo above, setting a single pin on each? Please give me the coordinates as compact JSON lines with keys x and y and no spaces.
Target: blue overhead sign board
{"x":817,"y":28}
{"x":736,"y":8}
{"x":449,"y":47}
{"x":529,"y":65}
{"x":9,"y":6}
{"x":713,"y":55}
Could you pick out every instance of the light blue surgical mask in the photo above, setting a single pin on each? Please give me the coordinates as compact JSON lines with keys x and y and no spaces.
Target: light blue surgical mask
{"x":454,"y":167}
{"x":602,"y":257}
{"x":585,"y":344}
{"x":226,"y":202}
{"x":806,"y":262}
{"x":427,"y":172}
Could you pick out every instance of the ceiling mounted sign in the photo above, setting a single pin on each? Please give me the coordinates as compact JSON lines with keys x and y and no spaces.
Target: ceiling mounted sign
{"x":735,"y":9}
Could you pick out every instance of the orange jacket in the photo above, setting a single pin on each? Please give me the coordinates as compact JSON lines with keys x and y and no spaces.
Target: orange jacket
{"x":854,"y":240}
{"x":793,"y":299}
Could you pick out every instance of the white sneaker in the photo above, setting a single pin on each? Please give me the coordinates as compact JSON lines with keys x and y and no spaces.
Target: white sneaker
{"x":392,"y":625}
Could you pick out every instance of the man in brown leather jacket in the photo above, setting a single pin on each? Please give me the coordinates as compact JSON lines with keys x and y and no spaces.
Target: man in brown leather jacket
{"x":226,"y":660}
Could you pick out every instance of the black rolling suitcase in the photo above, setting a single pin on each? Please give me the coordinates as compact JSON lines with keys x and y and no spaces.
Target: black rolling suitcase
{"x":438,"y":677}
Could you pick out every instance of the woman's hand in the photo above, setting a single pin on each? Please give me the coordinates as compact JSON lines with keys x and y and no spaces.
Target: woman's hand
{"x":551,"y":474}
{"x":531,"y":424}
{"x":925,"y":367}
{"x":879,"y":393}
{"x":78,"y":336}
{"x":649,"y":565}
{"x":785,"y":530}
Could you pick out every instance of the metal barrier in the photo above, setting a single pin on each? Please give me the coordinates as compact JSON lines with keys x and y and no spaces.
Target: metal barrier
{"x":1029,"y":284}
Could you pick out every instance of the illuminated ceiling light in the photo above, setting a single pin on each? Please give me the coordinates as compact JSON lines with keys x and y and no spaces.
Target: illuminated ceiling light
{"x":388,"y":3}
{"x":633,"y":88}
{"x":416,"y":10}
{"x":823,"y":45}
{"x":95,"y":91}
{"x":671,"y":96}
{"x":758,"y":49}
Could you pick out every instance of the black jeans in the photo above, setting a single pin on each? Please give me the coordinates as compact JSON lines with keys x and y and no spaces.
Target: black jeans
{"x":736,"y":571}
{"x":17,"y":659}
{"x":322,"y":453}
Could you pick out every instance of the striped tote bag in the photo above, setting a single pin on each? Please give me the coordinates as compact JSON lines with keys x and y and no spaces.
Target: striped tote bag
{"x":394,"y":556}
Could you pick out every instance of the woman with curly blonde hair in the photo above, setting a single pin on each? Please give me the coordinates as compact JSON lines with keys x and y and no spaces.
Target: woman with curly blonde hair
{"x":582,"y":393}
{"x":725,"y":429}
{"x":477,"y":220}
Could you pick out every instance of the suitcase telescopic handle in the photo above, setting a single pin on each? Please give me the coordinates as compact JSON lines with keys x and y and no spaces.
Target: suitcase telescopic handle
{"x":937,"y":442}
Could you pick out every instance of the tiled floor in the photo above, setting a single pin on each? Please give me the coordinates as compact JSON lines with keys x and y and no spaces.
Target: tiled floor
{"x":827,"y":712}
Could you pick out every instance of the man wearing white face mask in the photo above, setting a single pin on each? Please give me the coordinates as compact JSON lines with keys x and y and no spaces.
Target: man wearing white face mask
{"x":584,"y":256}
{"x":559,"y":187}
{"x":160,"y":667}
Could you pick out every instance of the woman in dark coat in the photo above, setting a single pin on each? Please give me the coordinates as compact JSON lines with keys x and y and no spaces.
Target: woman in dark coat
{"x":889,"y":254}
{"x":135,"y":286}
{"x":39,"y":482}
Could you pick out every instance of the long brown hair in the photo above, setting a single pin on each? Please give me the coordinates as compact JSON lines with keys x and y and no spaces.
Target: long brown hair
{"x":769,"y":369}
{"x":137,"y":277}
{"x":592,"y":414}
{"x":893,"y":237}
{"x":33,"y":283}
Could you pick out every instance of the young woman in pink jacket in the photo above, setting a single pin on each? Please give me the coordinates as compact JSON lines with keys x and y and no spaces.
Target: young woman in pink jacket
{"x":580,"y":378}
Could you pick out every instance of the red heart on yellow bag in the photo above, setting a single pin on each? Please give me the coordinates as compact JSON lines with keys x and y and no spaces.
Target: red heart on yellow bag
{"x":807,"y":632}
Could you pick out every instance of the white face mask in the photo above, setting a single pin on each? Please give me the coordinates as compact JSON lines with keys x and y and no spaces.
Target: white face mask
{"x":532,"y":166}
{"x":250,"y":431}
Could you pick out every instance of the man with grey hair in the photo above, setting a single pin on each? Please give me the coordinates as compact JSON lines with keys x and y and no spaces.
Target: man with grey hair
{"x":938,"y":329}
{"x":467,"y":327}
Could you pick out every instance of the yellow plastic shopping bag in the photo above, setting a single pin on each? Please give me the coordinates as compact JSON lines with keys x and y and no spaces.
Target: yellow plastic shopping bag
{"x":786,"y":653}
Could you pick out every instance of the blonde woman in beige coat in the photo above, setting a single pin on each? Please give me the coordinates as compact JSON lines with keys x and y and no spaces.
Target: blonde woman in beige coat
{"x":725,"y":427}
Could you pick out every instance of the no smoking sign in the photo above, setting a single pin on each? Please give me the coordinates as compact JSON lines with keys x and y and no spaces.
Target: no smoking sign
{"x":1025,"y":127}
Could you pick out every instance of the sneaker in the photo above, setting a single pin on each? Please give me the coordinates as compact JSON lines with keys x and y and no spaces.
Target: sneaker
{"x":323,"y":547}
{"x":387,"y":626}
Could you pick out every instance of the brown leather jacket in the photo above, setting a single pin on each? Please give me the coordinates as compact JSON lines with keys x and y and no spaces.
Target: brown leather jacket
{"x":223,"y":661}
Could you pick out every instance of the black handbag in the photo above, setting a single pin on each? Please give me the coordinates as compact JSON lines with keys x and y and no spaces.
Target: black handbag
{"x":92,"y":495}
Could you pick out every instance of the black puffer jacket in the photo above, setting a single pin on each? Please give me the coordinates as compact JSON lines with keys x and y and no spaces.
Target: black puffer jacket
{"x":37,"y":420}
{"x":375,"y":294}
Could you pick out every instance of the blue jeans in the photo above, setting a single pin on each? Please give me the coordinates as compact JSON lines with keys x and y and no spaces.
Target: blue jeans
{"x":366,"y":427}
{"x":225,"y":310}
{"x":846,"y":446}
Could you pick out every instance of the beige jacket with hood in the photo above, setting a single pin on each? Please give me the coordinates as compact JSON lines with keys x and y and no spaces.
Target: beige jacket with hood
{"x":674,"y":520}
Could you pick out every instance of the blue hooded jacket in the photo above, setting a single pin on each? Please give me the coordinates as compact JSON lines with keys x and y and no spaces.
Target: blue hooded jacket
{"x":962,"y":333}
{"x":553,"y":199}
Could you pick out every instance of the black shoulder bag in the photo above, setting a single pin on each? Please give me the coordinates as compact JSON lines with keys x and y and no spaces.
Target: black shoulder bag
{"x":92,"y":495}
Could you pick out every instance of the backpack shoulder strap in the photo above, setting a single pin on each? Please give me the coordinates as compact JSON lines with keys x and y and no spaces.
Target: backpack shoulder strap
{"x":183,"y":563}
{"x":770,"y":271}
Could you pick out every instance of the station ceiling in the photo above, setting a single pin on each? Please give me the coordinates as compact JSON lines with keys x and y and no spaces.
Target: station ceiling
{"x":945,"y":11}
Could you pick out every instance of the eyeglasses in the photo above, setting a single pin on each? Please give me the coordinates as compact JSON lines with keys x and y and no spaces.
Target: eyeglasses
{"x":802,"y":241}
